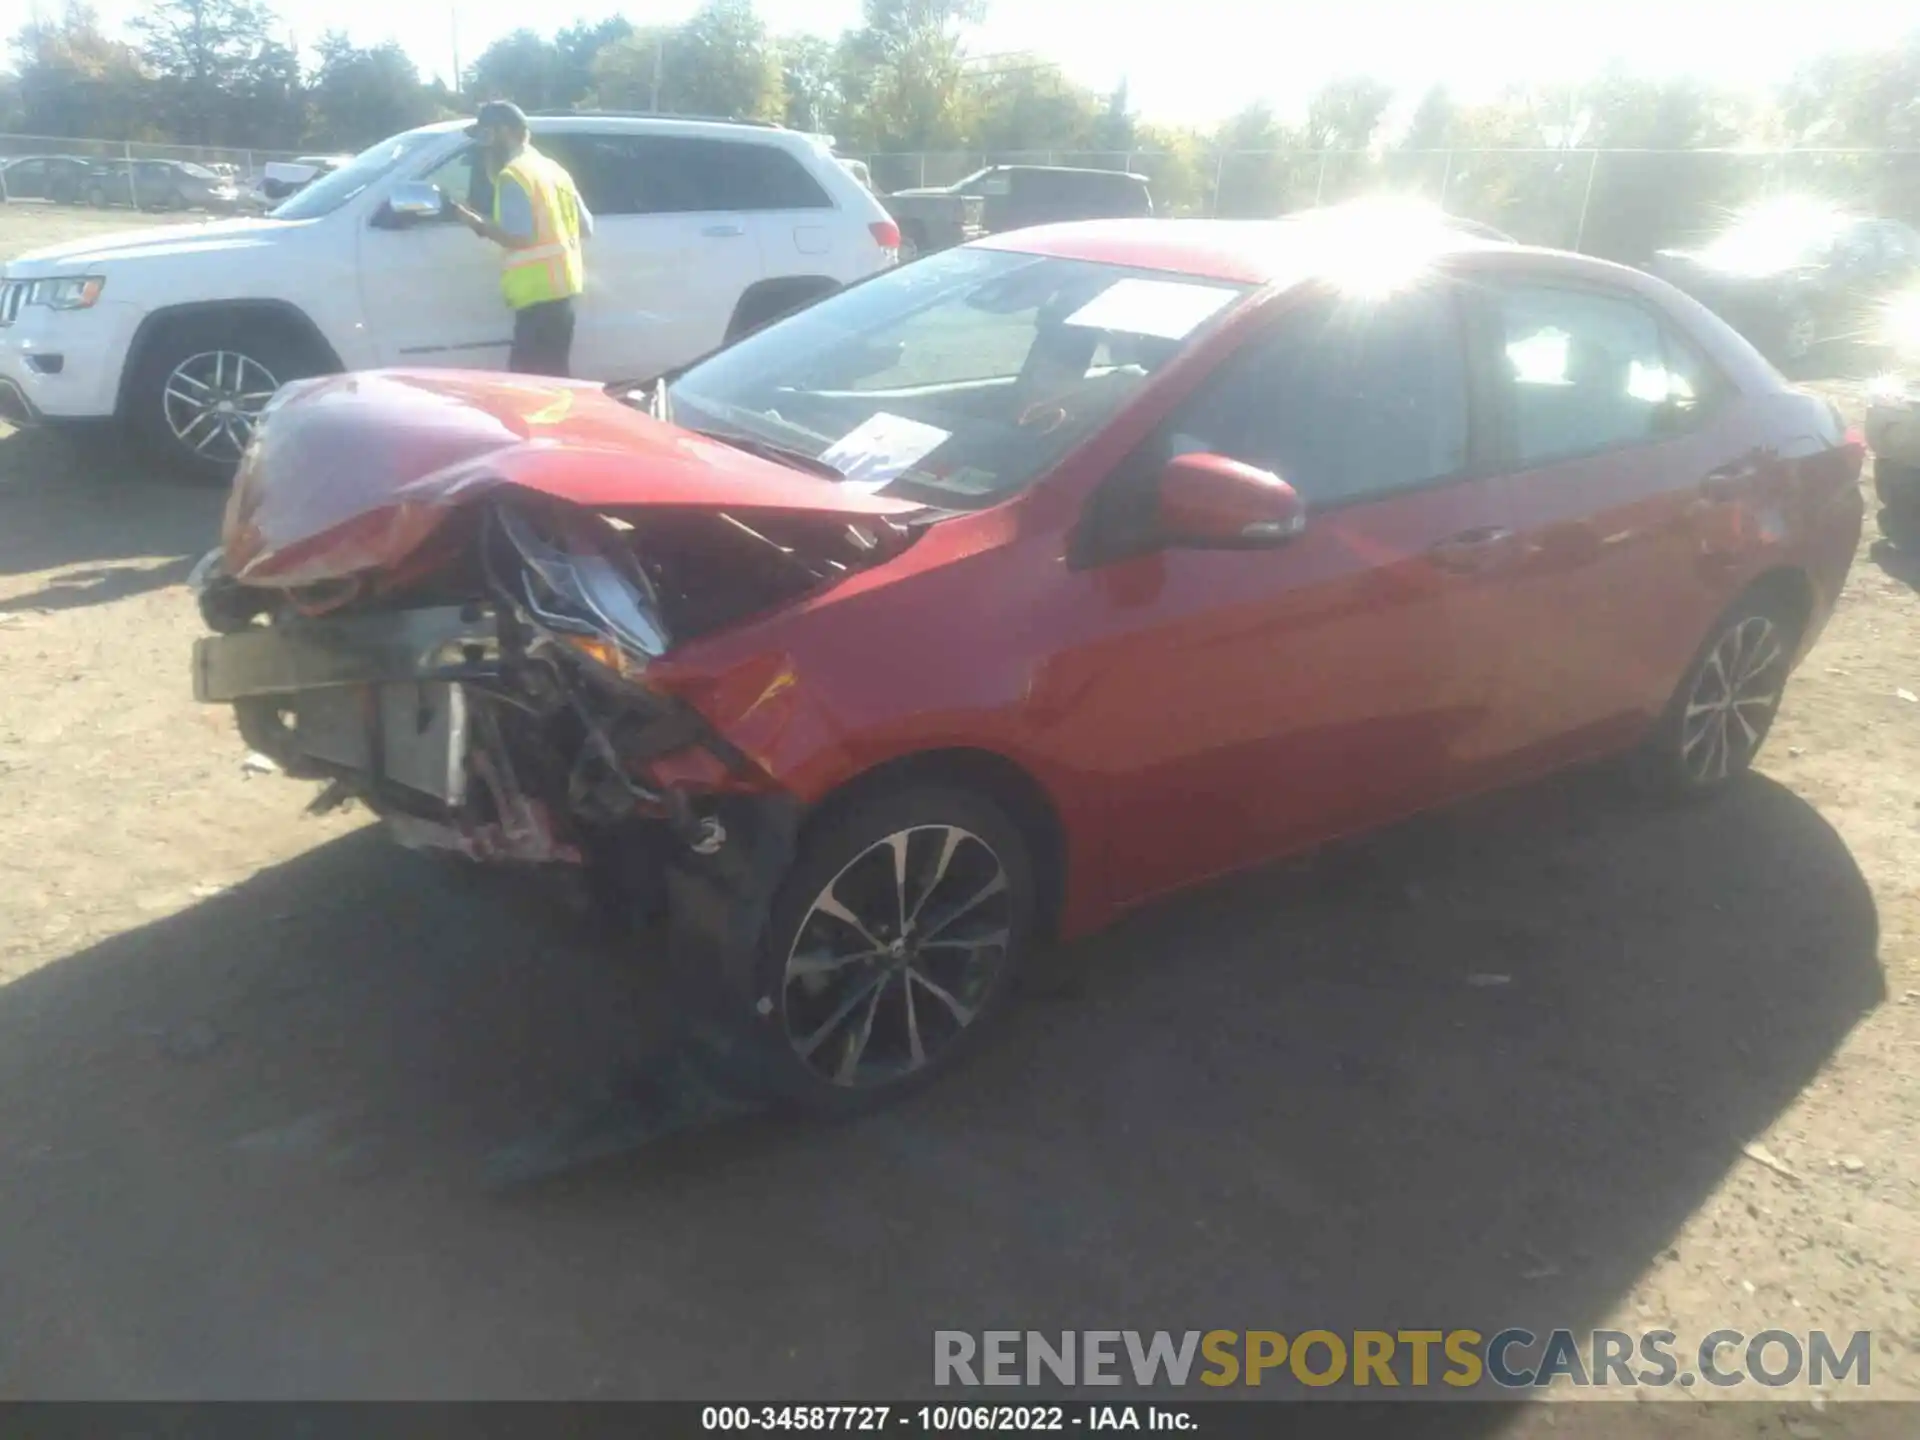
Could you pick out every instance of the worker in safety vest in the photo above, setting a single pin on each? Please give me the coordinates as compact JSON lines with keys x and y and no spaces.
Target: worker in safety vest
{"x":539,"y":221}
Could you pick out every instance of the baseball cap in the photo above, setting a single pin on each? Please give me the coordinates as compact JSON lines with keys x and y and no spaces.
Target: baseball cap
{"x":497,"y":112}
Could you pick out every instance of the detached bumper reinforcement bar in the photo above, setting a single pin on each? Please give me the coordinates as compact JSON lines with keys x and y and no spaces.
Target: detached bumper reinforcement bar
{"x":448,"y":642}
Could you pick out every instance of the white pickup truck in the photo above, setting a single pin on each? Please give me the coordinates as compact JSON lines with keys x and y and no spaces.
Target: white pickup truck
{"x":703,"y":230}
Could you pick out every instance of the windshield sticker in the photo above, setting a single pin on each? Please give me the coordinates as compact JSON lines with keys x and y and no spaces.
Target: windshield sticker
{"x":879,"y":449}
{"x":1166,"y":309}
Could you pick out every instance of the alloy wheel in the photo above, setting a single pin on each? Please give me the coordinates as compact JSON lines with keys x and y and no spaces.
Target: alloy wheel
{"x":213,"y":399}
{"x":897,"y":956}
{"x":1733,"y":701}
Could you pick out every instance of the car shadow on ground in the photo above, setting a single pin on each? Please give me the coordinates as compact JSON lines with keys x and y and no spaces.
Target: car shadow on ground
{"x":1475,"y":1072}
{"x":91,"y":500}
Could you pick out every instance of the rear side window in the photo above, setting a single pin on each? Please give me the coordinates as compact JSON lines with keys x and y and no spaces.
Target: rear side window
{"x":677,"y":175}
{"x":1582,"y":371}
{"x":1348,"y":401}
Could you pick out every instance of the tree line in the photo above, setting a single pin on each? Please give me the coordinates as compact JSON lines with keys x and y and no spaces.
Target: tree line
{"x":222,"y":72}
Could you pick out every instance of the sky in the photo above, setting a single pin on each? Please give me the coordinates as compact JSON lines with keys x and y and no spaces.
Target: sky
{"x":1196,"y":61}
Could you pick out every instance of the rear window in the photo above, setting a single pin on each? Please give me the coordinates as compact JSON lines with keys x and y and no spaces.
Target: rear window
{"x":675,"y":174}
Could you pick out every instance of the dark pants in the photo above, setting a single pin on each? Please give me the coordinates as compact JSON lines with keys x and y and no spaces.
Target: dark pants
{"x":542,"y":338}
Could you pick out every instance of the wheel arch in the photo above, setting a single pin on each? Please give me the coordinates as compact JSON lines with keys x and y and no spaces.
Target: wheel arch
{"x":1791,"y":588}
{"x":155,"y":327}
{"x":1006,"y":782}
{"x":765,"y":301}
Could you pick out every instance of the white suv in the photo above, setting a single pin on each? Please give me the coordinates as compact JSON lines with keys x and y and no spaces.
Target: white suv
{"x":703,"y":230}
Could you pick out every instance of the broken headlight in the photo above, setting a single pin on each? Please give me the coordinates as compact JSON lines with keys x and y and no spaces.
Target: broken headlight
{"x":578,"y":581}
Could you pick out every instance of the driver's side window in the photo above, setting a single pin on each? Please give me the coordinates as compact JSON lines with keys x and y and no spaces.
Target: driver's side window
{"x":463,"y":178}
{"x":1349,"y":399}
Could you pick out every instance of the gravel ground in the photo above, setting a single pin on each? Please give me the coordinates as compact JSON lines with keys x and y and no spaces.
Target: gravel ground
{"x":253,"y":1067}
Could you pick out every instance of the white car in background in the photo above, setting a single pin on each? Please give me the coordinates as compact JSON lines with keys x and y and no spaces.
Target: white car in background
{"x":703,"y":231}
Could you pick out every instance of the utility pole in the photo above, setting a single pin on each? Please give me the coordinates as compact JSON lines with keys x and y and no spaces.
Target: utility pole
{"x":453,"y":19}
{"x":659,"y":65}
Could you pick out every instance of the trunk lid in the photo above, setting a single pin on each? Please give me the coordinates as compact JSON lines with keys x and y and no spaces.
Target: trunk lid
{"x":355,"y":473}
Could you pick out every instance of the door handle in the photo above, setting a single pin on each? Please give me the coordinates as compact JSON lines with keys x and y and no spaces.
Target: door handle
{"x":1470,"y":549}
{"x":721,"y":232}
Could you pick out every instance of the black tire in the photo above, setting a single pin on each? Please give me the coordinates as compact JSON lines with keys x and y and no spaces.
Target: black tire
{"x":1898,"y":486}
{"x":919,"y":990}
{"x":1709,"y":734}
{"x":269,"y":353}
{"x":913,"y":241}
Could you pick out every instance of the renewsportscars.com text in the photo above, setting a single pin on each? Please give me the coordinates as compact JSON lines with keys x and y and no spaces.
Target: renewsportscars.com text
{"x":1511,"y":1359}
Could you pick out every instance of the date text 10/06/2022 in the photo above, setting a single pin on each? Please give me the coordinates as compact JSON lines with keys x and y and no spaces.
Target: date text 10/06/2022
{"x":939,"y":1419}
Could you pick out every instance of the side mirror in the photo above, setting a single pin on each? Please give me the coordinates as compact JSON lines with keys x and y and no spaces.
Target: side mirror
{"x":1212,"y":502}
{"x":416,"y":200}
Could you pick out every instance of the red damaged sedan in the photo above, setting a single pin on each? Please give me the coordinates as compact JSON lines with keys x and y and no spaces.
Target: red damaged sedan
{"x":1018,"y":586}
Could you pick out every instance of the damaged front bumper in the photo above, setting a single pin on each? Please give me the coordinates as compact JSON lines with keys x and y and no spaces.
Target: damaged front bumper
{"x":461,"y":729}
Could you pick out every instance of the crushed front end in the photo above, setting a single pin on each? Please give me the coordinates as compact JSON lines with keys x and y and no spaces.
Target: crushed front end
{"x":441,"y":597}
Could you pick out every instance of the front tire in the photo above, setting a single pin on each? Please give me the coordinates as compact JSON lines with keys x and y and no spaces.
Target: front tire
{"x":891,"y":944}
{"x":1720,"y":715}
{"x":200,"y":387}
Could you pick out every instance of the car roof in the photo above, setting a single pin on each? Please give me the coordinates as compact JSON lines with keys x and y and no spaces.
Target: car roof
{"x":588,"y":122}
{"x":1068,"y":170}
{"x":1261,"y":252}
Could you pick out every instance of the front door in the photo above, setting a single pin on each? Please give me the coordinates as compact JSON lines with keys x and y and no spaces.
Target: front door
{"x":431,"y":288}
{"x":1243,"y":703}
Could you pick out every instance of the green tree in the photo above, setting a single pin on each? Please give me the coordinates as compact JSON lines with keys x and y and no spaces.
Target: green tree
{"x":810,"y":79}
{"x":719,"y":63}
{"x":1115,"y":128}
{"x":906,"y":60}
{"x":214,"y":64}
{"x":521,"y":67}
{"x":575,"y":50}
{"x":630,"y":73}
{"x":722,"y":63}
{"x":360,"y":95}
{"x":1027,"y":105}
{"x":73,"y":79}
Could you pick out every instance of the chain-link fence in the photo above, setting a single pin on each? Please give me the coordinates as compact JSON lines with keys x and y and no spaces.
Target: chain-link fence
{"x":105,"y":173}
{"x":1618,"y":203}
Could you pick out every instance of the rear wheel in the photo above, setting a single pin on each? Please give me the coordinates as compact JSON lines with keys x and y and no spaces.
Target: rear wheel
{"x":894,"y":939}
{"x":1721,"y":713}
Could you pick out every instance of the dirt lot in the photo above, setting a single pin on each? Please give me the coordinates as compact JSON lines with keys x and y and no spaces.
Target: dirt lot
{"x":253,"y":1067}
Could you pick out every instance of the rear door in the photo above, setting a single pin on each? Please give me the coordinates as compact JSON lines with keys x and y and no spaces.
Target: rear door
{"x":670,"y":256}
{"x":1619,"y":445}
{"x":1248,"y":702}
{"x":785,"y":209}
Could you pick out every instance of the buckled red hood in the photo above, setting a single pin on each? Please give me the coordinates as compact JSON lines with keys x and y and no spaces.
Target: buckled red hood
{"x":354,"y":473}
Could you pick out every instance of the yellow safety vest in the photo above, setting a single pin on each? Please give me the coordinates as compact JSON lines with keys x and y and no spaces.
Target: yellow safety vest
{"x":550,"y":268}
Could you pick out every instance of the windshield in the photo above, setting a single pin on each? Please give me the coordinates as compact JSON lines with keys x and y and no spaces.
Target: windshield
{"x":956,"y":380}
{"x":330,"y":192}
{"x":199,"y":171}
